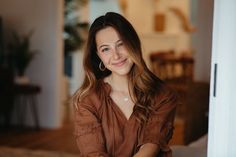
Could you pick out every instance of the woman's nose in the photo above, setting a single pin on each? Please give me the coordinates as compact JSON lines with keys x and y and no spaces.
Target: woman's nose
{"x":116,"y":54}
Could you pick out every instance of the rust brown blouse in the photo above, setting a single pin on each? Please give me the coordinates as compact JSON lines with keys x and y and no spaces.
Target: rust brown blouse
{"x":102,"y":130}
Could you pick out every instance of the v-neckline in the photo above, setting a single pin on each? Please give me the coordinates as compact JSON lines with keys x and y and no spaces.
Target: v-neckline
{"x":127,"y":119}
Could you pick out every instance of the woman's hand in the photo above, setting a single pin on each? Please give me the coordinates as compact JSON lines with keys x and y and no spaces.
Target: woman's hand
{"x":147,"y":150}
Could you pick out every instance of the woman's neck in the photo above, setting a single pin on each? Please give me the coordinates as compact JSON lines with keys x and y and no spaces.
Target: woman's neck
{"x":118,"y":83}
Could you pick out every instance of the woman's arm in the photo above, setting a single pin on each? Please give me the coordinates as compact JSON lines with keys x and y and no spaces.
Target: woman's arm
{"x":88,"y":132}
{"x":158,"y":129}
{"x":147,"y":150}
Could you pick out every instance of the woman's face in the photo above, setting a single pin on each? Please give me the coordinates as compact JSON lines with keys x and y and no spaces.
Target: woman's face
{"x":113,"y":52}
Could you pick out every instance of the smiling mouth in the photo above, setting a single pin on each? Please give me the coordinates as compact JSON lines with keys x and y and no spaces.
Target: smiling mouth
{"x":118,"y":64}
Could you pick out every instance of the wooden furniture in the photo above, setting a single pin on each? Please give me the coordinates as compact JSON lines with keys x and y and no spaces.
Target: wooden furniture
{"x":196,"y":107}
{"x":171,"y":67}
{"x":26,"y":96}
{"x":19,"y":96}
{"x":175,"y":70}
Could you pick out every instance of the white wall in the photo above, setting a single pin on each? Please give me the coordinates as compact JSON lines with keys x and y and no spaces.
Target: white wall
{"x":222,"y":126}
{"x":45,"y":17}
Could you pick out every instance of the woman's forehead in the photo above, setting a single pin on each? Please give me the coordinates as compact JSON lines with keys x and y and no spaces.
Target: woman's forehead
{"x":107,"y":35}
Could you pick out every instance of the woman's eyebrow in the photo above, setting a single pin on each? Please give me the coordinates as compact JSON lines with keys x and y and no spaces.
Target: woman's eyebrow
{"x":107,"y":44}
{"x":118,"y":40}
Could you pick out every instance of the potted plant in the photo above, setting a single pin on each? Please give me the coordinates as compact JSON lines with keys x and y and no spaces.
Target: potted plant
{"x":74,"y":31}
{"x":21,"y":54}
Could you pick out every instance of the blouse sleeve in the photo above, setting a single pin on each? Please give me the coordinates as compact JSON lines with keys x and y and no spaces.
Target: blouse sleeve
{"x":88,"y":132}
{"x":159,"y":127}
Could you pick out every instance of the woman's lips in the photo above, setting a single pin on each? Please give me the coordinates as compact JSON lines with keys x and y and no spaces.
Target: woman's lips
{"x":118,"y":64}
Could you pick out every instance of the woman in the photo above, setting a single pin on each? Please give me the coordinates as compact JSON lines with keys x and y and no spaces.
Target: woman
{"x":121,"y":109}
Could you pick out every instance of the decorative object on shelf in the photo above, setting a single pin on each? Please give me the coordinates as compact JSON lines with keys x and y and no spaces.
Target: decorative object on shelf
{"x":159,"y":22}
{"x":21,"y":55}
{"x":187,"y":26}
{"x":123,"y":5}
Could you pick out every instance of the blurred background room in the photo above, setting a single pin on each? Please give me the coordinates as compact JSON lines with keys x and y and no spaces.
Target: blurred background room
{"x":41,"y":51}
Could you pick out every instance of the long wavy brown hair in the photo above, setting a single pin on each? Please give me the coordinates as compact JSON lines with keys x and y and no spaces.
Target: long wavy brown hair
{"x":143,"y":84}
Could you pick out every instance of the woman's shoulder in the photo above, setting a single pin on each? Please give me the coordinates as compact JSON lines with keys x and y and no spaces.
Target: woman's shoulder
{"x":89,"y":102}
{"x":90,"y":97}
{"x":94,"y":96}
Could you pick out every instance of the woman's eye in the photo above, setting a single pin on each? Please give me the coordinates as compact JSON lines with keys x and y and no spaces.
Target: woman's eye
{"x":105,"y":49}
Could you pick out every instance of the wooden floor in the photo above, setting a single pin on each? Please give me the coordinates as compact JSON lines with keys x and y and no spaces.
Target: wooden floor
{"x":57,"y":140}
